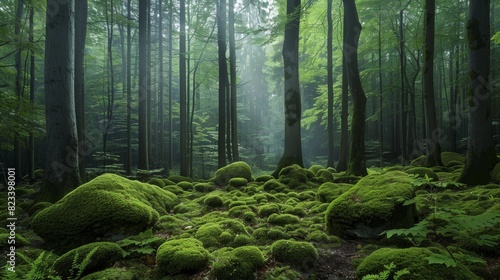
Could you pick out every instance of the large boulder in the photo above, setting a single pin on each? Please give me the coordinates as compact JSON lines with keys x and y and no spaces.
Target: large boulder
{"x":237,"y":264}
{"x":185,"y":255}
{"x":238,"y":169}
{"x":105,"y":208}
{"x":376,"y":203}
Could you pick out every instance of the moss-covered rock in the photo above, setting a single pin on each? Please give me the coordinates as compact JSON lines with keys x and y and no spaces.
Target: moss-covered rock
{"x":213,"y":201}
{"x":185,"y":255}
{"x":293,"y":176}
{"x":419,"y":161}
{"x":315,"y":168}
{"x":19,"y":239}
{"x":295,"y":253}
{"x":447,"y":157}
{"x":495,"y":174}
{"x":415,"y":260}
{"x":283,"y":219}
{"x":157,"y":182}
{"x":268,"y":209}
{"x":263,"y":178}
{"x":327,"y":192}
{"x":112,"y":274}
{"x":101,"y":255}
{"x":238,"y":182}
{"x":210,"y":233}
{"x":373,"y":205}
{"x":239,"y":263}
{"x":237,"y":169}
{"x":178,"y":178}
{"x":274,"y":185}
{"x":106,"y":208}
{"x":421,"y":172}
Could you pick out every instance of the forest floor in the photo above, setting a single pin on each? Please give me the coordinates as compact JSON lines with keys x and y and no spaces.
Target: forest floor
{"x":457,"y":225}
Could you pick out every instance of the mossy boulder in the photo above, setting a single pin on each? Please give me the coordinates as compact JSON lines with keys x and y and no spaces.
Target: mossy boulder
{"x":447,"y":157}
{"x":421,"y":172}
{"x":274,"y":185}
{"x":415,"y":260}
{"x":112,"y":274}
{"x":495,"y":174}
{"x":20,"y":241}
{"x":293,"y":176}
{"x":213,"y":201}
{"x":106,"y":207}
{"x":238,"y":264}
{"x":210,"y":233}
{"x":157,"y":182}
{"x":283,"y":219}
{"x":328,"y":191}
{"x":101,"y":255}
{"x":178,"y":178}
{"x":238,"y":182}
{"x":419,"y":161}
{"x":185,"y":255}
{"x":374,"y":204}
{"x":238,"y":169}
{"x":268,"y":209}
{"x":298,"y":254}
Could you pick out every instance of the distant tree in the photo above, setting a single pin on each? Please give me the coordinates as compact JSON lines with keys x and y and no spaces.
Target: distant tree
{"x":128,"y":159}
{"x":61,"y":162}
{"x":480,"y":157}
{"x":143,"y":159}
{"x":19,"y":85}
{"x":31,"y":140}
{"x":357,"y":164}
{"x":329,"y":81}
{"x":184,"y":168}
{"x":221,"y":42}
{"x":292,"y":153}
{"x":433,"y":145}
{"x":233,"y":83}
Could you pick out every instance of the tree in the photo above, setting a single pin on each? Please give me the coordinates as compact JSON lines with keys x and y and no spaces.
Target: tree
{"x":357,"y":164}
{"x":433,"y":145}
{"x":19,"y":85}
{"x":221,"y":42}
{"x":480,"y":157}
{"x":61,"y":162}
{"x":128,"y":156}
{"x":81,"y":7}
{"x":292,"y":153}
{"x":143,"y":159}
{"x":329,"y":80}
{"x":232,"y":72}
{"x":31,"y":140}
{"x":183,"y":92}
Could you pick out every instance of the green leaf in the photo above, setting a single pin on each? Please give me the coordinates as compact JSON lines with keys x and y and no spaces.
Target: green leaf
{"x":441,"y":259}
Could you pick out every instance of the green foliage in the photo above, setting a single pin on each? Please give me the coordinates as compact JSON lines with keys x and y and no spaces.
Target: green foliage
{"x":40,"y":268}
{"x":496,"y":38}
{"x":145,"y":243}
{"x":185,"y":255}
{"x":389,"y":270}
{"x":239,"y":263}
{"x":295,"y":253}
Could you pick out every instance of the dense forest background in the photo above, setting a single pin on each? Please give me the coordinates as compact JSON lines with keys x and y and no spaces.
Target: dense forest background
{"x":187,"y":100}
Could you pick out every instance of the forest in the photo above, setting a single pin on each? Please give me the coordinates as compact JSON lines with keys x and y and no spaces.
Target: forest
{"x":250,"y":139}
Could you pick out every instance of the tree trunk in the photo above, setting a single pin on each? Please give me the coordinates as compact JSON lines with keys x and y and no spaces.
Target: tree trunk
{"x":233,"y":83}
{"x":357,"y":164}
{"x":344,"y":130}
{"x":19,"y":87}
{"x":61,"y":163}
{"x":143,"y":159}
{"x":170,"y":62}
{"x":480,"y":157}
{"x":31,"y":141}
{"x":402,"y":64}
{"x":433,"y":134}
{"x":184,"y":162}
{"x":381,"y":107}
{"x":128,"y":159}
{"x":161,"y":117}
{"x":81,"y":8}
{"x":221,"y":36}
{"x":292,"y":153}
{"x":329,"y":82}
{"x":111,"y":81}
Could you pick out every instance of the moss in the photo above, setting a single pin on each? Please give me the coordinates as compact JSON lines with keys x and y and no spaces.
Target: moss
{"x":242,"y":240}
{"x":192,"y":208}
{"x":178,"y":178}
{"x":419,"y":161}
{"x":268,"y":209}
{"x":495,"y":174}
{"x":213,"y":201}
{"x":283,"y":273}
{"x":209,"y":234}
{"x":320,"y":236}
{"x":187,"y":186}
{"x":295,"y":253}
{"x":293,"y":176}
{"x":167,"y":182}
{"x":238,"y":182}
{"x":204,"y":187}
{"x":105,"y":256}
{"x":174,"y":189}
{"x":324,"y":173}
{"x":264,"y":178}
{"x":320,"y":208}
{"x":114,"y":273}
{"x":415,"y":260}
{"x":315,"y":168}
{"x":237,"y":169}
{"x":248,"y":216}
{"x":237,"y":211}
{"x":373,"y":205}
{"x":185,"y":255}
{"x":274,"y":185}
{"x":105,"y":207}
{"x":307,"y":195}
{"x":250,"y":190}
{"x":297,"y":211}
{"x":238,"y":263}
{"x":37,"y":207}
{"x":157,"y":182}
{"x":20,"y":241}
{"x":171,"y":224}
{"x":225,"y":238}
{"x":422,"y":171}
{"x":454,"y":164}
{"x":447,"y":157}
{"x":327,"y":192}
{"x":260,"y":198}
{"x":282,"y":219}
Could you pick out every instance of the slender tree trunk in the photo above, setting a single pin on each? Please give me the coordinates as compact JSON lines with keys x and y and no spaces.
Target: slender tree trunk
{"x":344,"y":130}
{"x":357,"y":164}
{"x":433,"y":145}
{"x":233,"y":83}
{"x":329,"y":81}
{"x":128,"y":159}
{"x":149,"y":92}
{"x":480,"y":157}
{"x":81,"y":7}
{"x":381,"y":107}
{"x":170,"y":157}
{"x":161,"y":117}
{"x":111,"y":85}
{"x":19,"y":87}
{"x":61,"y":163}
{"x":292,"y":153}
{"x":143,"y":159}
{"x":184,"y":162}
{"x":221,"y":36}
{"x":31,"y":141}
{"x":402,"y":63}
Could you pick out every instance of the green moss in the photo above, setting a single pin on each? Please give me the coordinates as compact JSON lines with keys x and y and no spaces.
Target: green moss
{"x":283,"y":273}
{"x":112,"y":274}
{"x":187,"y":186}
{"x":297,"y":211}
{"x":20,"y":241}
{"x":238,"y":182}
{"x":185,"y":255}
{"x":495,"y":174}
{"x":157,"y":182}
{"x":237,"y":169}
{"x":268,"y":209}
{"x":260,"y":198}
{"x":293,"y":176}
{"x":204,"y":187}
{"x":37,"y":207}
{"x":320,"y":236}
{"x":422,"y":172}
{"x":105,"y":207}
{"x":237,"y":211}
{"x":104,"y":257}
{"x":447,"y":157}
{"x":242,"y":240}
{"x":171,"y":224}
{"x":373,"y":205}
{"x":326,"y":174}
{"x":315,"y":168}
{"x":192,"y":208}
{"x":415,"y":260}
{"x":274,"y":185}
{"x":177,"y":190}
{"x":282,"y":219}
{"x":238,"y":263}
{"x":178,"y":178}
{"x":210,"y":233}
{"x":419,"y":161}
{"x":327,"y":192}
{"x":248,"y":216}
{"x":225,"y":238}
{"x":264,"y":178}
{"x":295,"y":253}
{"x":213,"y":201}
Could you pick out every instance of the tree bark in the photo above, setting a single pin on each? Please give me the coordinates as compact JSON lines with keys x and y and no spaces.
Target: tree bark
{"x":357,"y":164}
{"x":161,"y":113}
{"x":184,"y":162}
{"x":329,"y":81}
{"x":61,"y":163}
{"x":292,"y":153}
{"x":128,"y":159}
{"x":480,"y":157}
{"x":344,"y":130}
{"x":221,"y":37}
{"x":233,"y":83}
{"x":19,"y":87}
{"x":31,"y":140}
{"x":143,"y":159}
{"x":81,"y":7}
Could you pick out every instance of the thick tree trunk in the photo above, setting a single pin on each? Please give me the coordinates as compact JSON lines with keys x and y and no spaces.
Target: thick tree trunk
{"x":81,"y":8}
{"x":143,"y":159}
{"x":233,"y":83}
{"x":170,"y":147}
{"x":61,"y":166}
{"x":292,"y":153}
{"x":329,"y":81}
{"x":480,"y":157}
{"x":357,"y":164}
{"x":433,"y":145}
{"x":184,"y":162}
{"x":128,"y":159}
{"x":381,"y":107}
{"x":31,"y":140}
{"x":19,"y":88}
{"x":221,"y":36}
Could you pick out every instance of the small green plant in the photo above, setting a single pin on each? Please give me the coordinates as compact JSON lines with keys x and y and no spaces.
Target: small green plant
{"x":141,"y":244}
{"x":387,"y":273}
{"x":77,"y":269}
{"x":40,"y":269}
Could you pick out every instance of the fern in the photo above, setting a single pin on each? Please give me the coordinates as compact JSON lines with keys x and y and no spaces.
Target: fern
{"x":7,"y":274}
{"x":79,"y":268}
{"x":139,"y":244}
{"x":389,"y":270}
